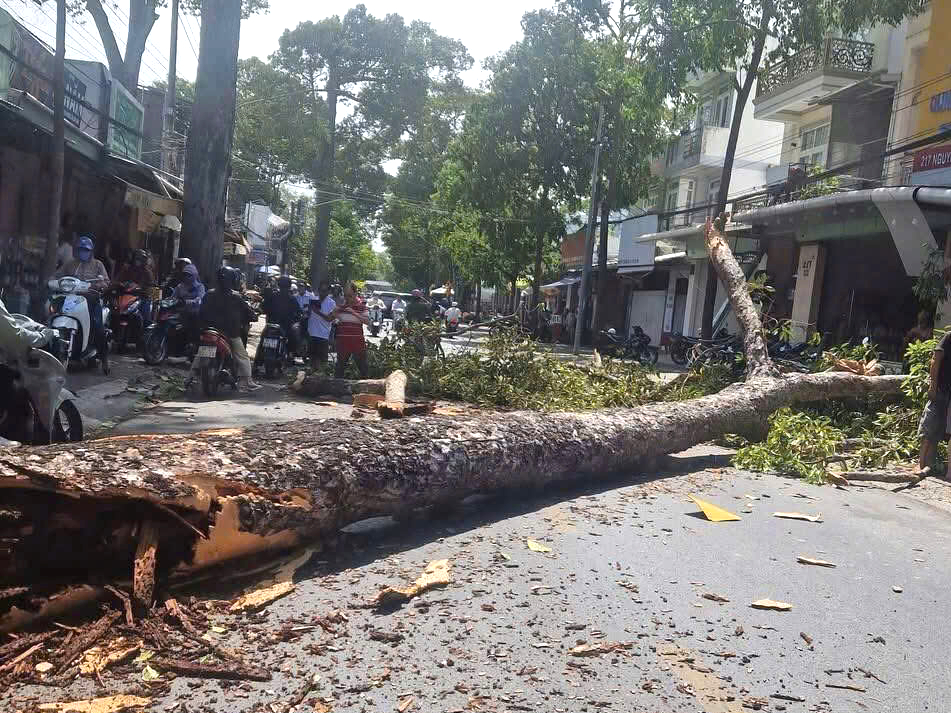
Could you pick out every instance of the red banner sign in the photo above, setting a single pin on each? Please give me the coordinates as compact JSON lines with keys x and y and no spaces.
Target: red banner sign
{"x":932,"y":158}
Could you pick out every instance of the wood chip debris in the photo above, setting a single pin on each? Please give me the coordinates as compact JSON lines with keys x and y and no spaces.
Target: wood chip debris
{"x":536,"y":546}
{"x":771,"y":605}
{"x":798,"y":516}
{"x":435,"y":575}
{"x":603,"y":647}
{"x":715,"y":597}
{"x":819,"y":563}
{"x":846,"y":687}
{"x":108,"y":704}
{"x":805,"y":637}
{"x":260,"y":598}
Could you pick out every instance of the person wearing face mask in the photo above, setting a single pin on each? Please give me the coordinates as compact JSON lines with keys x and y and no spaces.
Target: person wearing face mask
{"x":89,"y":269}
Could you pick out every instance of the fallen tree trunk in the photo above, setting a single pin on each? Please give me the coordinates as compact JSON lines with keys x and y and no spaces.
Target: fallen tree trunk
{"x":76,"y":507}
{"x":272,"y":486}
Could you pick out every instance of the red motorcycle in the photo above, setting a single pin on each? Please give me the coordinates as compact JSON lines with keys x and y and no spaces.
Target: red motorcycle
{"x":128,"y":321}
{"x":215,"y":362}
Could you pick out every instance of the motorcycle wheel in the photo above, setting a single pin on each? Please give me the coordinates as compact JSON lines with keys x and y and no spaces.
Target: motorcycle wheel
{"x":67,"y":424}
{"x":678,"y":354}
{"x":155,"y":348}
{"x":209,"y":377}
{"x":269,"y":369}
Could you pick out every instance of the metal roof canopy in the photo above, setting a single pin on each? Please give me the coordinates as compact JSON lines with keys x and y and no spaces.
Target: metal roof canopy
{"x":689,"y":231}
{"x":898,"y":209}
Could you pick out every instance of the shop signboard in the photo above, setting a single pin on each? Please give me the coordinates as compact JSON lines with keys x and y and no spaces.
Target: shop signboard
{"x":27,"y":65}
{"x":126,"y":117}
{"x":932,"y":166}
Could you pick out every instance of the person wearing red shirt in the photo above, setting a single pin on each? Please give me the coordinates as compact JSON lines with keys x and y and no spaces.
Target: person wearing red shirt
{"x":351,"y":316}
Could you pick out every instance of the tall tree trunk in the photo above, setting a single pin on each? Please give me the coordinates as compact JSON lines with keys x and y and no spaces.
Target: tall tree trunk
{"x":541,"y":235}
{"x":604,"y":227}
{"x":324,"y":191}
{"x":208,"y":151}
{"x":742,"y":96}
{"x":142,"y":17}
{"x":58,"y":147}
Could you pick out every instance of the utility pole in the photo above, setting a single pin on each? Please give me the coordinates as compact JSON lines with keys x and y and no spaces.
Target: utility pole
{"x":589,"y":236}
{"x":58,"y":152}
{"x":290,"y":233}
{"x":168,"y":108}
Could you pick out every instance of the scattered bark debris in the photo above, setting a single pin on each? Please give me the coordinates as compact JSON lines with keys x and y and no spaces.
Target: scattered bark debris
{"x":435,"y":575}
{"x":260,"y":598}
{"x":87,"y":639}
{"x":327,"y":621}
{"x":788,"y":697}
{"x":805,"y":637}
{"x":715,"y":597}
{"x":603,"y":647}
{"x":819,"y":563}
{"x":846,"y":687}
{"x":869,"y":674}
{"x":771,"y":605}
{"x":388,"y":637}
{"x":798,"y":516}
{"x":208,"y":670}
{"x":108,"y":704}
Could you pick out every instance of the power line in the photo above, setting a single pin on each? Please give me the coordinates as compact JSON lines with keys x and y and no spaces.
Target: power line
{"x":184,"y":22}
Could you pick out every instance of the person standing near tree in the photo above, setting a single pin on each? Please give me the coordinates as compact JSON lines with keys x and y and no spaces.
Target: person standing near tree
{"x":933,"y":426}
{"x":318,"y":323}
{"x":350,"y":340}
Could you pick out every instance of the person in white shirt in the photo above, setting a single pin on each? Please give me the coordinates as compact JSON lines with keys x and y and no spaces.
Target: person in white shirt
{"x":318,"y":323}
{"x":397,"y":311}
{"x":453,"y":314}
{"x":305,"y":296}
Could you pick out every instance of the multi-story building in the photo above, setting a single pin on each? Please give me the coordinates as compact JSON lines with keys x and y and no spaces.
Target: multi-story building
{"x":862,"y":108}
{"x":693,"y":163}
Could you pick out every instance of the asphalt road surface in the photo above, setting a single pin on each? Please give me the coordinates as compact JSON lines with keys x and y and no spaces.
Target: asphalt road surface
{"x":629,"y":566}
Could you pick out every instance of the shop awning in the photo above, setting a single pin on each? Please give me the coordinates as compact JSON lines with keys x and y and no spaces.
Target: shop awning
{"x":689,"y":231}
{"x":563,"y":282}
{"x":908,"y":214}
{"x":635,"y":270}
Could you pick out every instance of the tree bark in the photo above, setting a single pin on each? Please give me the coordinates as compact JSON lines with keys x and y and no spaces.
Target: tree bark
{"x":142,"y":17}
{"x":208,"y":151}
{"x":742,"y":96}
{"x":324,"y":193}
{"x":541,"y":235}
{"x":58,"y":148}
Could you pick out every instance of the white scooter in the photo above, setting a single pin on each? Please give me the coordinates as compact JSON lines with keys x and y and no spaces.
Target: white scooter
{"x":35,"y":406}
{"x":69,"y":315}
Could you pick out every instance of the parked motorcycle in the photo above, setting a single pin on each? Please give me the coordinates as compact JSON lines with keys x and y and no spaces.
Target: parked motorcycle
{"x":169,"y":335}
{"x":215,"y":362}
{"x":69,"y":314}
{"x":35,"y":406}
{"x":682,"y":346}
{"x":128,"y":321}
{"x":272,"y":350}
{"x":376,"y":320}
{"x":638,"y":346}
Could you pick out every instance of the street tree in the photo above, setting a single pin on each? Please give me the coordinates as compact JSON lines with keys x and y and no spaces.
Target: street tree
{"x":380,"y":71}
{"x":736,"y":37}
{"x":542,"y":95}
{"x":632,"y":85}
{"x":125,"y":65}
{"x":208,"y":148}
{"x":411,"y":221}
{"x":274,"y":138}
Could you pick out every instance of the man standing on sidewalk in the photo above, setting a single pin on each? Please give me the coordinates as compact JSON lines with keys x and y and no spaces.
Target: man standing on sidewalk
{"x":318,"y":324}
{"x":934,"y":419}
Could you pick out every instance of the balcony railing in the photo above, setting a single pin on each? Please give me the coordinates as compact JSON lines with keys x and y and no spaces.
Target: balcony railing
{"x":834,"y":53}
